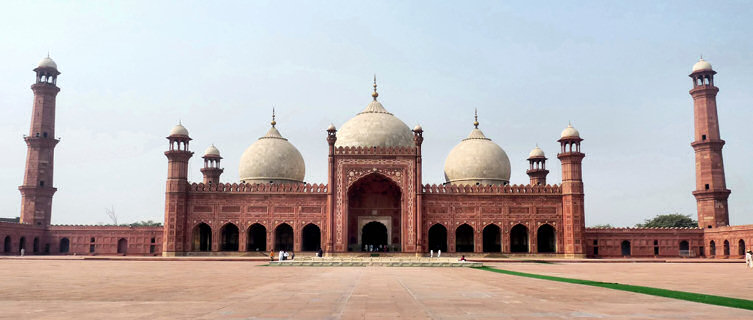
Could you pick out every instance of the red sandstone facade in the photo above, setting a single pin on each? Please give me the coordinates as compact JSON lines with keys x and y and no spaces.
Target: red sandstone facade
{"x":375,"y":195}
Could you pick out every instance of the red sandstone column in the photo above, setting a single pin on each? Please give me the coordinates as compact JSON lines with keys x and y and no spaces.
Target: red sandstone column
{"x":711,"y":191}
{"x":176,"y":232}
{"x":573,"y":211}
{"x":37,"y":189}
{"x":329,"y":225}
{"x":418,"y":138}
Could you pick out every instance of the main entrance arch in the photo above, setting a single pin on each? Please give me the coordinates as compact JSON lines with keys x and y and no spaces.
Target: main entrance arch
{"x":374,"y":199}
{"x":374,"y":236}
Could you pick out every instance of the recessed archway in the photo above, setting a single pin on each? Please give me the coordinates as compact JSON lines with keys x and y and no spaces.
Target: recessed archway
{"x":464,"y":238}
{"x":22,"y":244}
{"x":546,"y":239}
{"x":65,"y":245}
{"x":284,"y":237}
{"x":7,"y":245}
{"x":257,"y":238}
{"x":712,"y":248}
{"x":741,"y":247}
{"x":202,"y":237}
{"x":438,"y":238}
{"x":492,"y":238}
{"x":626,"y":250}
{"x":726,"y":248}
{"x":311,"y":238}
{"x":122,"y":246}
{"x":519,"y":239}
{"x":35,"y":246}
{"x":374,"y":198}
{"x":229,"y":234}
{"x":374,"y":236}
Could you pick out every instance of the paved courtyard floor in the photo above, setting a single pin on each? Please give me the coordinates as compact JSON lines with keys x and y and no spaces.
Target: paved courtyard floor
{"x":64,"y":289}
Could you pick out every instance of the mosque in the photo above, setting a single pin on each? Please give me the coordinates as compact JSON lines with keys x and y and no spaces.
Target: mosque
{"x":374,"y":198}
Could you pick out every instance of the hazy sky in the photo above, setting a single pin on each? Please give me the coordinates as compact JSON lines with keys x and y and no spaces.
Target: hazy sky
{"x":619,"y":72}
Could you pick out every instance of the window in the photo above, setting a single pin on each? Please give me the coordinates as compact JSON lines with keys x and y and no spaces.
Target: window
{"x":41,"y":183}
{"x":91,"y":240}
{"x":44,"y":134}
{"x":707,"y":186}
{"x":703,"y":137}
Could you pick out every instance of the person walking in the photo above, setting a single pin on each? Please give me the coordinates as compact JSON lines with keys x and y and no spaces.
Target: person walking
{"x":271,"y":256}
{"x":749,"y":258}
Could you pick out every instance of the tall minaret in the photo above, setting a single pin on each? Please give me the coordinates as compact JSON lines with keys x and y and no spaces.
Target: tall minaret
{"x":537,"y":170}
{"x":212,"y":169}
{"x":37,"y":190}
{"x":711,"y":191}
{"x":573,"y":211}
{"x":176,"y":192}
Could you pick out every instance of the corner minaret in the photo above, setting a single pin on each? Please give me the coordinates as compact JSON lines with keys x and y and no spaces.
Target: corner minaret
{"x":537,"y":170}
{"x":573,"y":211}
{"x":37,"y":190}
{"x":212,"y":169}
{"x":176,"y":192}
{"x":711,"y":191}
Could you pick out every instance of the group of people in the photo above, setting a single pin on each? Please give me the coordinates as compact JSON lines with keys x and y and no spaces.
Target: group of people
{"x":282,"y":255}
{"x":749,"y":258}
{"x":431,"y":253}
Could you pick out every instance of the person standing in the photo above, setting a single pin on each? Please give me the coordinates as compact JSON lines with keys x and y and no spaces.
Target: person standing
{"x":431,"y":253}
{"x":749,"y":258}
{"x":271,"y":256}
{"x":280,"y":256}
{"x":439,"y":253}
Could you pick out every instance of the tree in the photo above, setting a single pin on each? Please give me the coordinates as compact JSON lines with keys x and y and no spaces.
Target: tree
{"x":148,"y":223}
{"x":602,"y":226}
{"x":112,"y":215}
{"x":671,"y":220}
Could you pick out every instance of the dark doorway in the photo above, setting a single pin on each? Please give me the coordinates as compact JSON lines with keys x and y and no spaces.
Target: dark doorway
{"x":625,"y":248}
{"x":7,"y":245}
{"x":374,"y":196}
{"x":22,"y":244}
{"x":202,"y":237}
{"x":257,"y":238}
{"x":519,"y":239}
{"x":65,"y":245}
{"x":311,"y":238}
{"x":229,"y":237}
{"x":464,"y":238}
{"x":122,"y":246}
{"x":35,"y":246}
{"x":546,"y":239}
{"x":726,"y":248}
{"x":284,"y":237}
{"x":492,"y":239}
{"x":373,"y":235}
{"x":438,"y":238}
{"x":712,"y":248}
{"x":741,"y":247}
{"x":684,"y":245}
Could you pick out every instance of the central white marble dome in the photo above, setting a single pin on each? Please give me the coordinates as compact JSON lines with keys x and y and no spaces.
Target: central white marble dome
{"x":272,"y":159}
{"x":477,"y":160}
{"x":374,"y":127}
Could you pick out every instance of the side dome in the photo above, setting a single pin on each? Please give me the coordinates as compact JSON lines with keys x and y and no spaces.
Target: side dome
{"x":272,"y":159}
{"x":374,"y":127}
{"x":701,"y":65}
{"x":570,"y":132}
{"x":212,"y":151}
{"x":536,"y":153}
{"x":47,"y":62}
{"x":477,"y":160}
{"x":179,"y":130}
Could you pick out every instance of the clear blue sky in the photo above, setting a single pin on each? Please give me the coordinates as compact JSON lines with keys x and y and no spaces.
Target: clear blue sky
{"x":618,"y":71}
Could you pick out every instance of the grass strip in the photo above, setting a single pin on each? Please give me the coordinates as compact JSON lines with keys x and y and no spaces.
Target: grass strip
{"x":681,"y":295}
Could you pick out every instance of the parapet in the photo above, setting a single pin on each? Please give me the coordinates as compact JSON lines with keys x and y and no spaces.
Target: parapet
{"x":492,"y":189}
{"x":404,"y":151}
{"x":259,"y":188}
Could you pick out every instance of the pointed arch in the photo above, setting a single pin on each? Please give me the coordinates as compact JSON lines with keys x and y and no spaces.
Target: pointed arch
{"x":464,"y":238}
{"x":202,"y":237}
{"x":7,"y":245}
{"x":492,"y":238}
{"x":284,"y":237}
{"x":626,"y":248}
{"x":741,"y":247}
{"x":256,"y":238}
{"x":65,"y":245}
{"x":519,"y":239}
{"x":712,"y":248}
{"x":122,"y":246}
{"x":311,"y":238}
{"x":438,"y":237}
{"x":546,"y":239}
{"x":726,"y":247}
{"x":229,"y":234}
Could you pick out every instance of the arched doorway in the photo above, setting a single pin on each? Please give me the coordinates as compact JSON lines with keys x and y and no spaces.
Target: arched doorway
{"x":374,"y":236}
{"x":284,"y":237}
{"x":726,"y":248}
{"x":519,"y":239}
{"x":35,"y":246}
{"x":741,"y":247}
{"x":625,"y":248}
{"x":257,"y":238}
{"x":374,"y":198}
{"x":229,"y":237}
{"x":464,"y":238}
{"x":438,"y":238}
{"x":22,"y":244}
{"x":492,"y":239}
{"x":311,"y":238}
{"x":546,"y":239}
{"x":712,"y":248}
{"x":684,"y":246}
{"x":7,"y":245}
{"x":65,"y":245}
{"x":202,"y":237}
{"x":122,"y":246}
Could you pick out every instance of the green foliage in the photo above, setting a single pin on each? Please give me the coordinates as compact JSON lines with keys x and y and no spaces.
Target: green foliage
{"x":602,"y":226}
{"x":148,"y":223}
{"x":675,"y":220}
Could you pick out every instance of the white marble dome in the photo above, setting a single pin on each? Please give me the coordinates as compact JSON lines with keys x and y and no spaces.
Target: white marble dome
{"x":47,"y":62}
{"x":701,"y":65}
{"x":374,"y":127}
{"x":570,"y":132}
{"x":536,"y":153}
{"x":212,"y":151}
{"x":179,"y":130}
{"x":272,"y":159}
{"x":477,"y":160}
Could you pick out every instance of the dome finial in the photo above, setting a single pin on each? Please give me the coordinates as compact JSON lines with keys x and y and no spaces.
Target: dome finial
{"x":475,"y":117}
{"x":375,"y":94}
{"x":273,"y":118}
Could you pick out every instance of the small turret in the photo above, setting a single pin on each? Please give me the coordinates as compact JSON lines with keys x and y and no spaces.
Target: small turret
{"x":537,"y":170}
{"x":212,"y":169}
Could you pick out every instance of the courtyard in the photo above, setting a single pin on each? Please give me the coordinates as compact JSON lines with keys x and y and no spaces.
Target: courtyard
{"x":199,"y":289}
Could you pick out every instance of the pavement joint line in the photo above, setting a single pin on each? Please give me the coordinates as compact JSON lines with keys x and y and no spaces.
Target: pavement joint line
{"x":666,"y":293}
